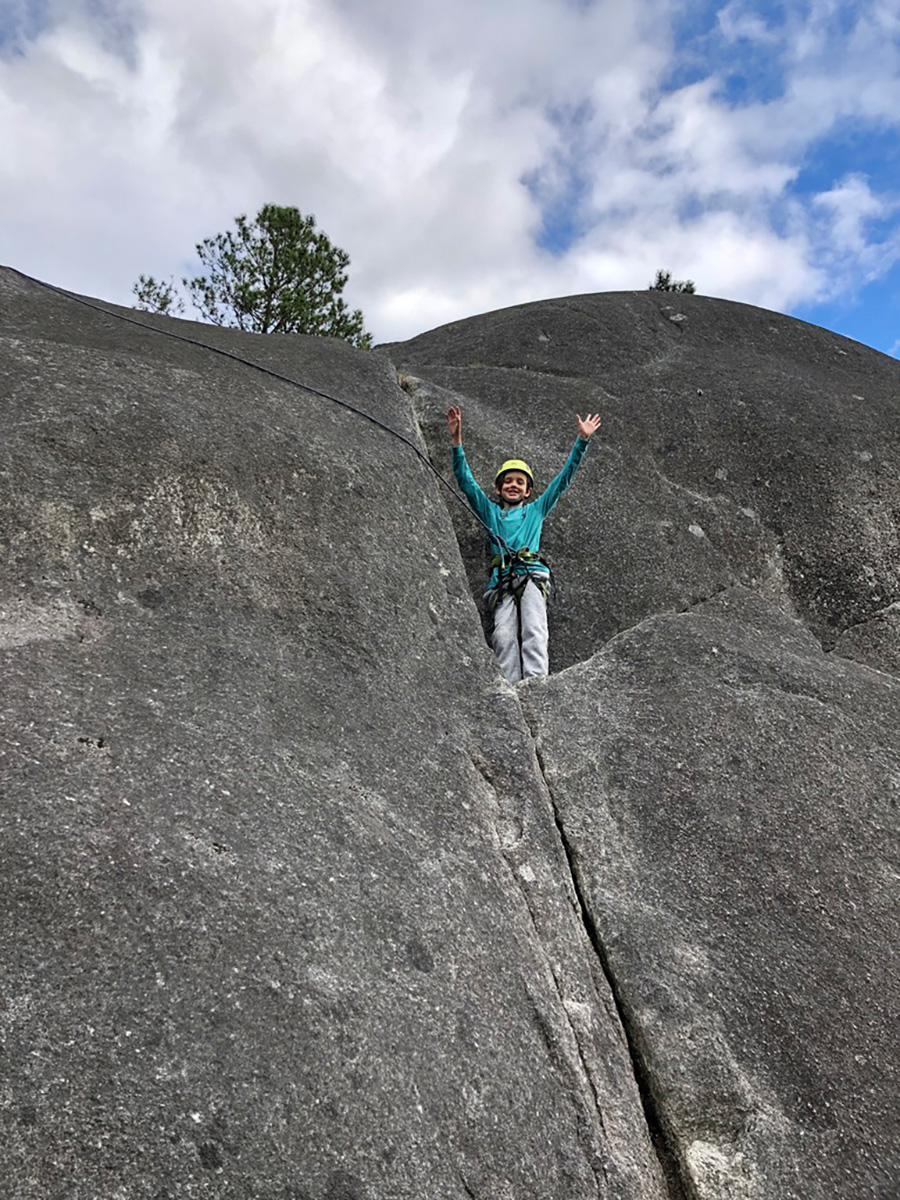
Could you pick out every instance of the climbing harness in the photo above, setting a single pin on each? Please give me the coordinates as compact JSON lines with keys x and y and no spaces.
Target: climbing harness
{"x":514,"y":570}
{"x":247,"y":362}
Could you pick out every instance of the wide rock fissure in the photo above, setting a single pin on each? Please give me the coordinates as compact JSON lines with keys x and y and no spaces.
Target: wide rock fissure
{"x":676,"y":1181}
{"x":678,"y":1186}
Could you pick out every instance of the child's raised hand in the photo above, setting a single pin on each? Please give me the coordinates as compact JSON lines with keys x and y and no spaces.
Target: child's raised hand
{"x":588,"y":425}
{"x":454,"y":424}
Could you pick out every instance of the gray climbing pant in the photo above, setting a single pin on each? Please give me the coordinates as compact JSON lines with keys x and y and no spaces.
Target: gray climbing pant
{"x":520,"y":632}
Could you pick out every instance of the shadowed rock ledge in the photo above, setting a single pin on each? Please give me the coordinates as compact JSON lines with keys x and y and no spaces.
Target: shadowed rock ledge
{"x":300,"y":899}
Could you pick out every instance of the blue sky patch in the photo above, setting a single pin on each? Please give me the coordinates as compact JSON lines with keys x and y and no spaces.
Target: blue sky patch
{"x":872,"y":316}
{"x":21,"y":22}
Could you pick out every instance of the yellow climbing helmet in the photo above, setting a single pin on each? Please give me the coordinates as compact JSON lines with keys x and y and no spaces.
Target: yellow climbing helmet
{"x":513,"y":464}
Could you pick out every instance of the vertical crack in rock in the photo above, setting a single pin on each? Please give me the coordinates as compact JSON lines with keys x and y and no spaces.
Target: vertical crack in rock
{"x":565,"y":1046}
{"x":591,"y":1131}
{"x":678,"y":1180}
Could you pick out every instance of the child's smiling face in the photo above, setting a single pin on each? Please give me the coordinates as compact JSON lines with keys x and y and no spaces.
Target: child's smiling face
{"x":515,"y":487}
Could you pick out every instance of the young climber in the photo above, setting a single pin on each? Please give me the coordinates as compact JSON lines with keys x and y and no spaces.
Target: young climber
{"x":519,"y":583}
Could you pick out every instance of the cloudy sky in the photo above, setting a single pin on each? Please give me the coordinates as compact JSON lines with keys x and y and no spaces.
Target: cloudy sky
{"x":467,"y":154}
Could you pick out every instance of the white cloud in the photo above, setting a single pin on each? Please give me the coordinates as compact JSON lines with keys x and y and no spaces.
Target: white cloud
{"x":851,"y":205}
{"x":737,"y":21}
{"x":431,"y":138}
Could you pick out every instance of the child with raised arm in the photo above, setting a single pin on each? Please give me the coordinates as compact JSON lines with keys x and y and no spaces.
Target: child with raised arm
{"x":519,"y":583}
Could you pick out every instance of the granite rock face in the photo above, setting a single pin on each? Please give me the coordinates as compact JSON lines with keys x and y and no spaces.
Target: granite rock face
{"x":300,"y":899}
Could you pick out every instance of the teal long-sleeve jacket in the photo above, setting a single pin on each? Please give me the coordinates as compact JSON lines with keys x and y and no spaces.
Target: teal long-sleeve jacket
{"x":520,"y":526}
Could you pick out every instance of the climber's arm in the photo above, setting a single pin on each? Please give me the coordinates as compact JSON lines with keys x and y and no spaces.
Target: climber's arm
{"x":587,"y":427}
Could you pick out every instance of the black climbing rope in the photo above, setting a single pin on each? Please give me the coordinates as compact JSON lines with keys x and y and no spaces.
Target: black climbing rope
{"x":247,"y":362}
